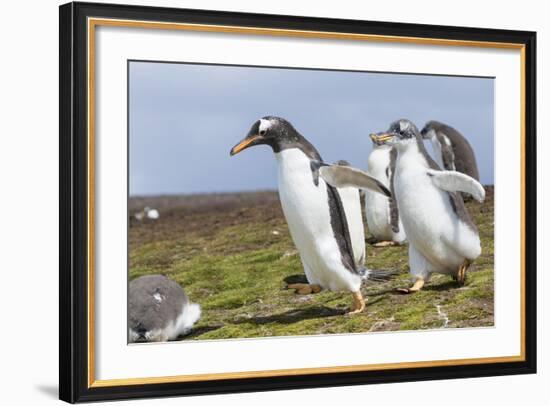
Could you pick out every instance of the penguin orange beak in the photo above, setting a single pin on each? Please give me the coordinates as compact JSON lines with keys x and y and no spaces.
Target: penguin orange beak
{"x":382,"y":137}
{"x":244,"y":144}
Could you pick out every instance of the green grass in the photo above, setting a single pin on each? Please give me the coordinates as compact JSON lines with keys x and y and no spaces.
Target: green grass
{"x":238,"y":273}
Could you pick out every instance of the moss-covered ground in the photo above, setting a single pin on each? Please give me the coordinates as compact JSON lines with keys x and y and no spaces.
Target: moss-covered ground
{"x":233,"y":254}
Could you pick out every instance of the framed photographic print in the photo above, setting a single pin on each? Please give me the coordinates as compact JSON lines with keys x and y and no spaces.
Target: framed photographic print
{"x":256,"y":202}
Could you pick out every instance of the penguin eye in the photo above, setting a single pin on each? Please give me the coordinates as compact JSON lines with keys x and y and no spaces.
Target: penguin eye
{"x":262,"y":132}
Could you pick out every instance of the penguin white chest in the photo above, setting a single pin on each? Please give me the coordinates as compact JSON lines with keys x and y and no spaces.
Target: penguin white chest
{"x":377,"y":205}
{"x":306,"y":208}
{"x":426,"y":212}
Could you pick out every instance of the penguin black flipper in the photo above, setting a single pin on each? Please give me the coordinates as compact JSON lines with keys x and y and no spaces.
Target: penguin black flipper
{"x":338,"y":219}
{"x":394,"y":211}
{"x":453,"y":181}
{"x":340,"y":229}
{"x":347,"y":176}
{"x":314,"y":166}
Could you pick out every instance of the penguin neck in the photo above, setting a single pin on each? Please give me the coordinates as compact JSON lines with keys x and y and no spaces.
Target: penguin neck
{"x":293,"y":159}
{"x":297,"y":141}
{"x":382,"y":148}
{"x":415,"y":150}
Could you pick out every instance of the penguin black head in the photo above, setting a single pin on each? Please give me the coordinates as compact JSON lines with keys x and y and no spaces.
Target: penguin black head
{"x":430,"y":129}
{"x":278,"y":133}
{"x":404,"y":129}
{"x":400,"y":131}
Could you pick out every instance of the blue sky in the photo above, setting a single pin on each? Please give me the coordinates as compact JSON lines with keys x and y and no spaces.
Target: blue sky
{"x":185,"y":118}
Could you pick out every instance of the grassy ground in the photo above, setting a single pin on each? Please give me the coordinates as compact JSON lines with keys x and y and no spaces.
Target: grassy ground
{"x":233,"y":254}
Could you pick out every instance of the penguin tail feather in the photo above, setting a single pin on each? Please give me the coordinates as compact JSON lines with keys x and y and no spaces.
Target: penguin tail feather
{"x":377,"y":275}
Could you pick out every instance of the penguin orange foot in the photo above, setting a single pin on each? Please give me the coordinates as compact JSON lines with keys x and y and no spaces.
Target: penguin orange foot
{"x":304,"y":288}
{"x":358,"y":303}
{"x":418,"y":284}
{"x":382,"y":244}
{"x":462,"y":272}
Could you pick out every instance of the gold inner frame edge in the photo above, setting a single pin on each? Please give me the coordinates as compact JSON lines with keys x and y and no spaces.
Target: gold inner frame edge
{"x":93,"y":22}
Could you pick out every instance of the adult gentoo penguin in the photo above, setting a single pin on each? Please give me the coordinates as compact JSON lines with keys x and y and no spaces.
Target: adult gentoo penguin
{"x":319,"y":216}
{"x":382,"y":213}
{"x":159,"y":310}
{"x":453,"y":152}
{"x":442,"y":237}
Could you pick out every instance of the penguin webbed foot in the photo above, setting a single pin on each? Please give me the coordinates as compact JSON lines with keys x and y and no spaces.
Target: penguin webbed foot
{"x":304,"y":288}
{"x":358,"y":305}
{"x":462,"y":273}
{"x":381,"y":244}
{"x":417,"y":286}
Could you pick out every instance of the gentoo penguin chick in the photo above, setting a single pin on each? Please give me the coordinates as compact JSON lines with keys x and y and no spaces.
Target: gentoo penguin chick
{"x":452,"y":151}
{"x":442,"y":237}
{"x":382,"y":214}
{"x":159,"y":310}
{"x":319,"y":217}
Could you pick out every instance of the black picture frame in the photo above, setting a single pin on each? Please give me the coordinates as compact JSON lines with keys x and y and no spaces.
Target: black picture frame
{"x":74,"y":200}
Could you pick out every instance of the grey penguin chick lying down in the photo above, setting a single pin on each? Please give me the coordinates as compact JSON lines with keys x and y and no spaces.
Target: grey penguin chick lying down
{"x":159,"y":310}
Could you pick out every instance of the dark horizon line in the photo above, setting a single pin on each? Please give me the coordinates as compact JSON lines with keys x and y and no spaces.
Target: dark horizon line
{"x":148,"y":196}
{"x":225,"y":192}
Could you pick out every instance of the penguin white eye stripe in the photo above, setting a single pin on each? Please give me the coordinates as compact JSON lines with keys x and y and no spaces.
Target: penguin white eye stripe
{"x":264,"y":125}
